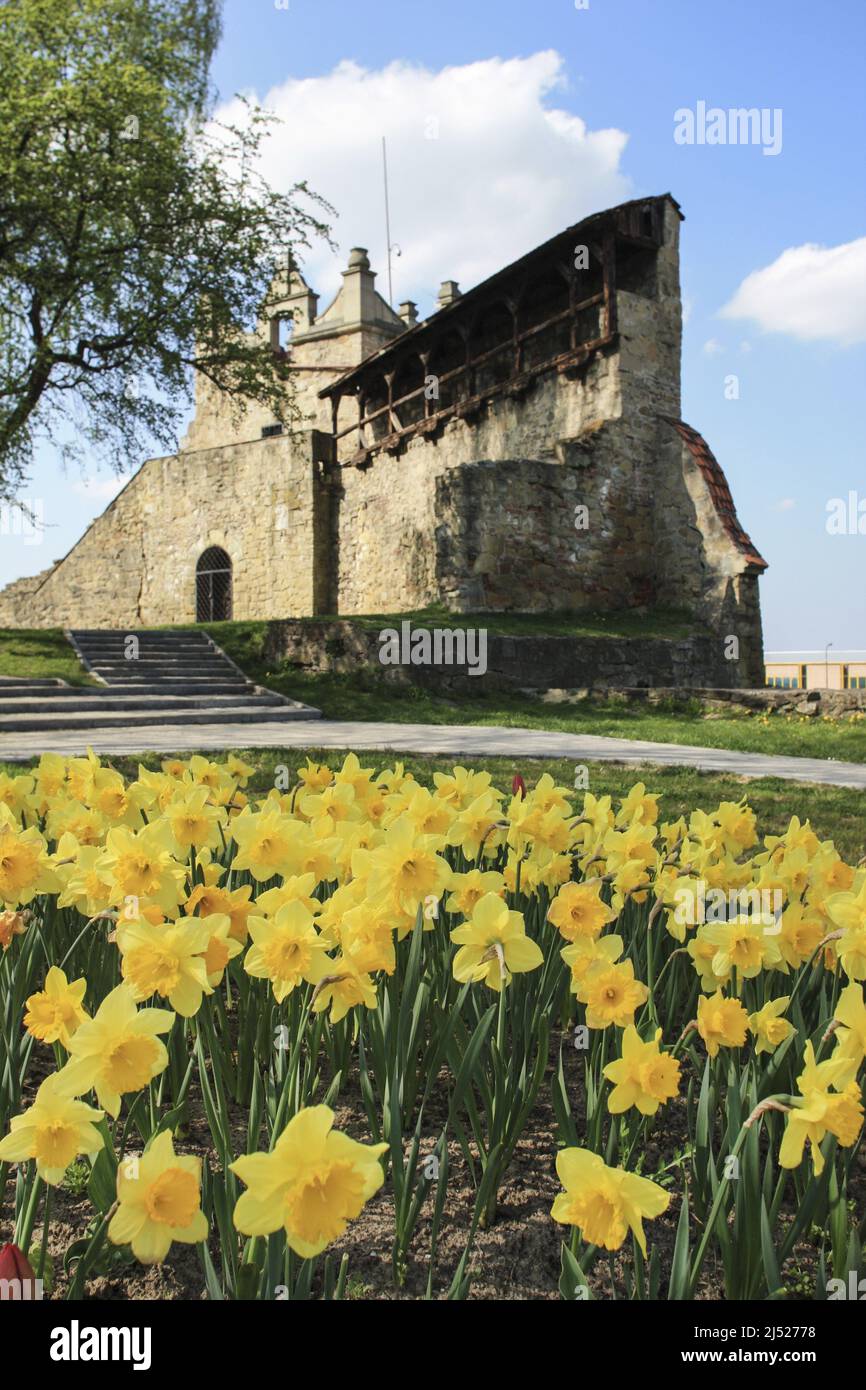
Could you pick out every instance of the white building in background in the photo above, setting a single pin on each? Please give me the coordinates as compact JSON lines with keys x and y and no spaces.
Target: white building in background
{"x":820,"y":670}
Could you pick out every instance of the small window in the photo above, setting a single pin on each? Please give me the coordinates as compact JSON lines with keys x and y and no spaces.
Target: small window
{"x":804,"y":677}
{"x":846,"y":681}
{"x":268,"y":431}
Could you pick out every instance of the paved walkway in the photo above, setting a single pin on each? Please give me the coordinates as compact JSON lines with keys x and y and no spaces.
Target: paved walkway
{"x":445,"y":740}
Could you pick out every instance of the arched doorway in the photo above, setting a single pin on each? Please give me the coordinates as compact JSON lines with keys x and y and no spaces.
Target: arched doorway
{"x":213,"y":586}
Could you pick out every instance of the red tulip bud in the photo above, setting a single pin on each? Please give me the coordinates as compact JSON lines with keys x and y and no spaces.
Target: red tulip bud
{"x":518,"y":786}
{"x":14,"y":1265}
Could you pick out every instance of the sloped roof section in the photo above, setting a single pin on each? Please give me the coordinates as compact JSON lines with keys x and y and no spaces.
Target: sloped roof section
{"x":720,"y":492}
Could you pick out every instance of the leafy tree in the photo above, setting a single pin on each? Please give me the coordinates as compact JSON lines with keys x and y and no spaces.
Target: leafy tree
{"x":137,"y":242}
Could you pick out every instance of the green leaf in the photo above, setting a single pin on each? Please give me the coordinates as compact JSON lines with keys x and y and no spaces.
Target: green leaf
{"x":679,"y":1280}
{"x":102,"y":1184}
{"x":572,"y":1281}
{"x":768,"y":1251}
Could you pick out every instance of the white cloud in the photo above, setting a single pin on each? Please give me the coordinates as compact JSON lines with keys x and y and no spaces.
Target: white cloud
{"x":712,"y":346}
{"x":506,"y":168}
{"x":100,"y":489}
{"x":810,"y":292}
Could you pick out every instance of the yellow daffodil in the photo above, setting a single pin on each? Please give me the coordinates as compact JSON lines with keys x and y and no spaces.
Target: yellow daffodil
{"x":743,"y":944}
{"x":644,"y":1076}
{"x":24,"y":866}
{"x":721,"y":1022}
{"x":802,"y":931}
{"x":578,"y":911}
{"x":461,"y":786}
{"x":737,"y":823}
{"x":194,"y":821}
{"x":159,"y":1202}
{"x":850,"y":1015}
{"x":768,"y":1027}
{"x":207,"y":900}
{"x":493,"y":945}
{"x":828,"y":872}
{"x":367,"y":937}
{"x":587,"y":951}
{"x":312,"y":1184}
{"x":16,"y":794}
{"x":241,"y":771}
{"x":55,"y":1130}
{"x":297,"y":888}
{"x":611,"y":994}
{"x":57,"y":1010}
{"x":469,"y":888}
{"x":605,"y":1203}
{"x":847,"y":911}
{"x":118,"y":1051}
{"x":287,"y":950}
{"x":167,"y":960}
{"x":474,"y":826}
{"x":638,"y":807}
{"x":408,"y":868}
{"x":268,"y":843}
{"x":140,"y":864}
{"x":344,"y":987}
{"x":704,"y":953}
{"x":315,"y":776}
{"x":221,"y":947}
{"x":821,"y":1111}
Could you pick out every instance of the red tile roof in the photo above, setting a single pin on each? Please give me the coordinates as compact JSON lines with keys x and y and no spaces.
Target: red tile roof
{"x":719,"y":490}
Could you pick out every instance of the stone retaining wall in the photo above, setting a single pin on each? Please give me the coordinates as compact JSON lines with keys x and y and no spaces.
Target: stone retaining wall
{"x":513,"y":662}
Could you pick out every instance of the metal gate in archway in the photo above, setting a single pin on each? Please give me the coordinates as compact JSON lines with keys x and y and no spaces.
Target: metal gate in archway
{"x":213,"y":586}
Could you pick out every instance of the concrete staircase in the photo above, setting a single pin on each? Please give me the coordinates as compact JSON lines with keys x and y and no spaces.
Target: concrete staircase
{"x":165,"y":678}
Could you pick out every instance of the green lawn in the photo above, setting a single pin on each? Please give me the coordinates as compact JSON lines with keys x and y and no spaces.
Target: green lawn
{"x":36,"y":653}
{"x":366,"y":695}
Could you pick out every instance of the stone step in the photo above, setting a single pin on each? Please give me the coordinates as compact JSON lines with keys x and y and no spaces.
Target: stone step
{"x":187,"y":685}
{"x":161,"y":663}
{"x":62,"y":694}
{"x":160,"y":673}
{"x":148,"y":634}
{"x":178,"y":685}
{"x":119,"y":649}
{"x":109,"y":701}
{"x":178,"y":677}
{"x":250,"y":713}
{"x":13,"y":690}
{"x":46,"y":682}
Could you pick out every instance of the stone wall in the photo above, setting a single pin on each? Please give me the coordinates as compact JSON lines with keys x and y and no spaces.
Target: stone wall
{"x":513,"y":662}
{"x":136,"y":564}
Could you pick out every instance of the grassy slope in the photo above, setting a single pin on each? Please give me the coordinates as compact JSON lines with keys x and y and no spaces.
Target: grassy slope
{"x":366,"y":695}
{"x":670,"y":623}
{"x":36,"y":653}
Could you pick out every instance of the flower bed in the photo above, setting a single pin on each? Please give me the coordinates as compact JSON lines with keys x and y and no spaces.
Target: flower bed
{"x":346,"y":1031}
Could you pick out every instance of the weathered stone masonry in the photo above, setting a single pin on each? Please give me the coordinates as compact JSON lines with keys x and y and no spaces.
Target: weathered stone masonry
{"x":520,"y":450}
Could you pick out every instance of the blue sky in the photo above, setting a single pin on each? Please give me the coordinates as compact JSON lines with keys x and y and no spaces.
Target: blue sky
{"x":793,"y":440}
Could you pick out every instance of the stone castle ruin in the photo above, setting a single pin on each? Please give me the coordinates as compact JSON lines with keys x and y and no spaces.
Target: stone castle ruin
{"x":521,"y":450}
